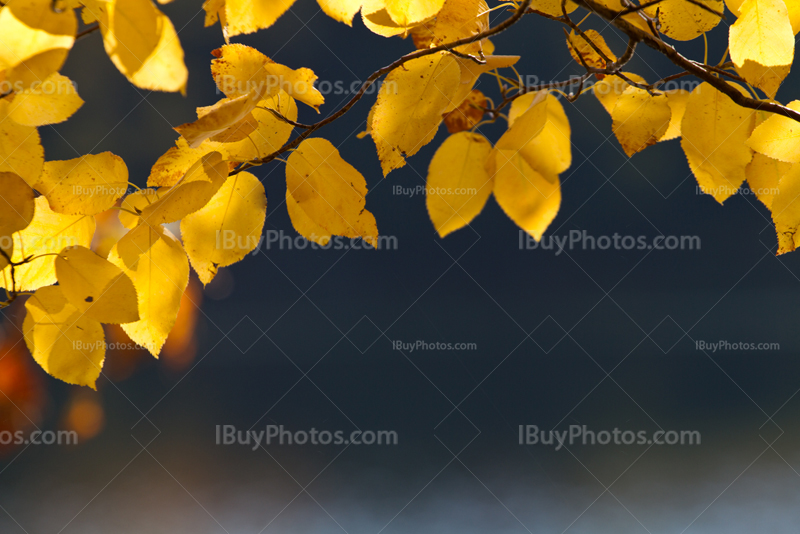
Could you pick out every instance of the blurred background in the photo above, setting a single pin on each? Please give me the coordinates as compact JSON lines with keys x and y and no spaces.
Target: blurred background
{"x":304,"y":339}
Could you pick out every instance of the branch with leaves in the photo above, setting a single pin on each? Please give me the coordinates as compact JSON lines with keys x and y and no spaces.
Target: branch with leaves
{"x":52,"y":211}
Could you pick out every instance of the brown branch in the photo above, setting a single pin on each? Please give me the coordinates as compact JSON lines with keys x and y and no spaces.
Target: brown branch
{"x":702,"y":71}
{"x":513,"y":19}
{"x":87,"y":31}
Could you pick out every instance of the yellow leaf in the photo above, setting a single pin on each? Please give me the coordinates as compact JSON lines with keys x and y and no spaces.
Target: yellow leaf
{"x":16,"y":212}
{"x":214,"y":9}
{"x":580,"y":49}
{"x":677,"y":100}
{"x":35,"y":70}
{"x":156,"y":263}
{"x":408,"y":12}
{"x":528,"y":198}
{"x":778,"y":137}
{"x":763,"y":176}
{"x":84,"y":186}
{"x":683,"y":21}
{"x":762,"y":43}
{"x":786,"y":210}
{"x":226,"y":229}
{"x":377,"y":19}
{"x":410,"y":106}
{"x":714,"y":131}
{"x":458,"y":184}
{"x":142,"y":43}
{"x":550,"y":152}
{"x":240,"y":70}
{"x":527,"y":118}
{"x":213,"y":120}
{"x":341,"y":10}
{"x":609,"y":89}
{"x":553,"y":7}
{"x":458,"y":19}
{"x":21,"y":149}
{"x":66,"y":343}
{"x":248,"y":16}
{"x":330,"y":191}
{"x":98,"y":288}
{"x":192,"y":192}
{"x":137,"y":202}
{"x":31,"y":27}
{"x":54,"y":101}
{"x":640,"y":119}
{"x":48,"y":233}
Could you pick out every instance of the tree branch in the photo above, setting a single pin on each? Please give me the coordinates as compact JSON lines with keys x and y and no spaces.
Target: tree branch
{"x":513,"y":19}
{"x":702,"y":71}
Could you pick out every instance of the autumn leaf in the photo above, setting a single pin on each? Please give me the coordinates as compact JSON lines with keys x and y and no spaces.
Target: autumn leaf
{"x":155,"y":262}
{"x":640,"y":119}
{"x":226,"y":229}
{"x":458,"y":183}
{"x":52,"y":102}
{"x":763,"y":176}
{"x":778,"y":137}
{"x":762,"y":43}
{"x":683,"y":21}
{"x":530,"y":199}
{"x":341,"y":10}
{"x":67,"y":344}
{"x":786,"y":210}
{"x":553,"y":7}
{"x":330,"y":191}
{"x":714,"y":131}
{"x":47,"y":234}
{"x":96,"y":287}
{"x":410,"y":106}
{"x":141,"y":42}
{"x":244,"y":16}
{"x":408,"y":12}
{"x":33,"y":28}
{"x":240,"y":70}
{"x":585,"y":54}
{"x":526,"y":120}
{"x":458,"y":19}
{"x":84,"y":186}
{"x":216,"y":119}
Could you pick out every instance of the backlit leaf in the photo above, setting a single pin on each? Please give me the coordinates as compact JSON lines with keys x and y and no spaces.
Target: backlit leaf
{"x":54,"y":101}
{"x":778,"y":137}
{"x":98,"y":288}
{"x":84,"y":186}
{"x":21,"y":149}
{"x":66,"y":343}
{"x":640,"y":119}
{"x":714,"y":132}
{"x":410,"y":106}
{"x":32,"y":27}
{"x":458,"y":184}
{"x":530,"y":199}
{"x":155,"y":262}
{"x":330,"y":191}
{"x":226,"y":229}
{"x":683,"y":21}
